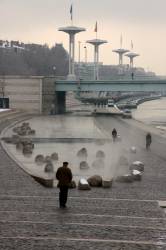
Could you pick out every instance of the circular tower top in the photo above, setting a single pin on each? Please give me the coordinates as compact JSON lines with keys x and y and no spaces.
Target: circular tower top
{"x":132,"y":54}
{"x":121,"y":51}
{"x":96,"y":41}
{"x":72,"y":29}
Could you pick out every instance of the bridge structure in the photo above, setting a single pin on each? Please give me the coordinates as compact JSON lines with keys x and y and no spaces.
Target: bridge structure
{"x":137,"y":85}
{"x":147,"y":85}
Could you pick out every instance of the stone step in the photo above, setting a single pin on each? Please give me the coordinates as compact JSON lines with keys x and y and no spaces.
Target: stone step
{"x":51,"y":243}
{"x":101,"y":219}
{"x":77,"y":202}
{"x":37,"y":207}
{"x":9,"y":114}
{"x":82,"y":231}
{"x":118,"y":207}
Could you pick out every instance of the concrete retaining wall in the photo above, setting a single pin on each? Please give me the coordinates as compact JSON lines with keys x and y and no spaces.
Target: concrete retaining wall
{"x":24,"y":93}
{"x":33,"y":94}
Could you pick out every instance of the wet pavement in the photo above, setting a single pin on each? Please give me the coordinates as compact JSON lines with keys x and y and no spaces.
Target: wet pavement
{"x":127,"y":216}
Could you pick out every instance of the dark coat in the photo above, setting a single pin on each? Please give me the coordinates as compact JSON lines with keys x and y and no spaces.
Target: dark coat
{"x":148,"y":138}
{"x":64,"y":176}
{"x":114,"y":133}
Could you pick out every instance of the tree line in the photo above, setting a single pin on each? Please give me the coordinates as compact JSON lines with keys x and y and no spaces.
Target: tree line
{"x":35,"y":60}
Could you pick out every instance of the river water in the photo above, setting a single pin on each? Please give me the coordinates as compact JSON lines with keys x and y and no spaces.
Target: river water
{"x":152,"y":113}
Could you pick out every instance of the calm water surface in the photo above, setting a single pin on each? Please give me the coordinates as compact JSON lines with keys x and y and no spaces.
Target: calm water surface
{"x":152,"y":112}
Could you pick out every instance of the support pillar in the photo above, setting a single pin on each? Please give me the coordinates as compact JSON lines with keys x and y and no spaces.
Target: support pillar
{"x":60,"y":102}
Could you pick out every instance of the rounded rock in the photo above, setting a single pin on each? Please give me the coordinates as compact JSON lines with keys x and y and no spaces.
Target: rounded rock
{"x":84,"y":165}
{"x":95,"y":181}
{"x":54,"y":156}
{"x":47,"y":159}
{"x":39,"y":159}
{"x":49,"y":168}
{"x":82,"y":152}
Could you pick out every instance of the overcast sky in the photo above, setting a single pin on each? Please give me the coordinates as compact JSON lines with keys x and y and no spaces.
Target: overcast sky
{"x":142,"y":21}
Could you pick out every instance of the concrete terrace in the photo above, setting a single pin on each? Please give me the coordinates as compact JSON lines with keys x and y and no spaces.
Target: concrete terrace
{"x":125,"y":217}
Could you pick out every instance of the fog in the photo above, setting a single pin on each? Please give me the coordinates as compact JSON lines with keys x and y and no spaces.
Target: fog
{"x":66,"y":135}
{"x":140,"y":21}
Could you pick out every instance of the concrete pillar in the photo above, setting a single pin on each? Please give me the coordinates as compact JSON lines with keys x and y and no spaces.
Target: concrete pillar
{"x":96,"y":61}
{"x":60,"y":102}
{"x":120,"y":59}
{"x":71,"y":54}
{"x":131,"y":63}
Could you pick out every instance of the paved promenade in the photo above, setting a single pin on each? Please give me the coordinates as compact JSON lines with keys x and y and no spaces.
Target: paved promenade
{"x":125,"y":217}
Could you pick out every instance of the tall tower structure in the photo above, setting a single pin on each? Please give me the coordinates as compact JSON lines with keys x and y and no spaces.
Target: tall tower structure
{"x":71,"y":31}
{"x":121,"y":52}
{"x":131,"y":56}
{"x":96,"y":43}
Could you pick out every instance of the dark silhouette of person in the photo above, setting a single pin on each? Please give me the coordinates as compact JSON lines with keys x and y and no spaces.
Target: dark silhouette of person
{"x":132,"y":75}
{"x":114,"y":134}
{"x":64,"y":177}
{"x":148,"y":140}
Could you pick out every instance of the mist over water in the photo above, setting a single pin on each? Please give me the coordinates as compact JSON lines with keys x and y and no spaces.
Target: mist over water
{"x":86,"y":130}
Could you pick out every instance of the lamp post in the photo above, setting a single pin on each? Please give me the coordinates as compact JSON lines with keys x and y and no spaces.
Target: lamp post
{"x":85,"y":54}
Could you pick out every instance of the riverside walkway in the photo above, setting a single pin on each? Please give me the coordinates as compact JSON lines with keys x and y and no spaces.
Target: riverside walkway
{"x":127,"y":216}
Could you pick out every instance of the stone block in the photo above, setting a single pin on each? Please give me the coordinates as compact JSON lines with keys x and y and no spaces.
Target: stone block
{"x":83,"y":184}
{"x":107,"y":183}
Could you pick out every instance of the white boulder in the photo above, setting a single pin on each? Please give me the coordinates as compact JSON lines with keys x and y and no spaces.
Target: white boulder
{"x":137,"y":165}
{"x":137,"y":175}
{"x":83,"y":184}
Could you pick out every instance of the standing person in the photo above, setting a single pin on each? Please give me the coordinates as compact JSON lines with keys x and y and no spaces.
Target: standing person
{"x":114,"y":134}
{"x":64,"y":176}
{"x":148,"y":140}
